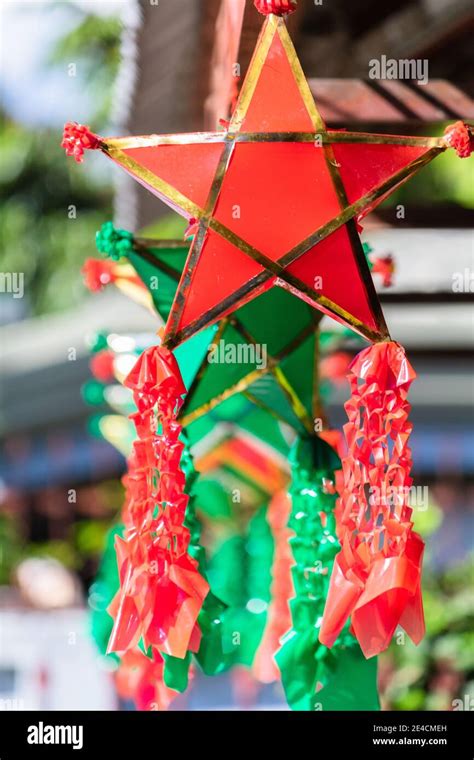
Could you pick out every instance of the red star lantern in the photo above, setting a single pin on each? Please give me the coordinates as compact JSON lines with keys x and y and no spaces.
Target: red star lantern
{"x":274,"y":200}
{"x":274,"y":197}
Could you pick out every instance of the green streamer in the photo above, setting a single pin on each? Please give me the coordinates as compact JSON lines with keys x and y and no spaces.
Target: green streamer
{"x":240,"y":573}
{"x":314,"y":677}
{"x":211,"y":656}
{"x":102,"y":592}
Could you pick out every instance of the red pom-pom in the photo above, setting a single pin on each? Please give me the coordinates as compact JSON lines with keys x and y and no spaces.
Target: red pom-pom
{"x":77,"y":138}
{"x":459,"y":137}
{"x":277,"y":7}
{"x":102,"y":365}
{"x":334,"y":367}
{"x":191,"y":229}
{"x":97,"y":273}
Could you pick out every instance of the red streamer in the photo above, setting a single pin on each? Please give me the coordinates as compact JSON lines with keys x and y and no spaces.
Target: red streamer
{"x":265,"y":668}
{"x":77,"y":138}
{"x":459,"y":137}
{"x":376,"y":575}
{"x":161,"y":590}
{"x":278,"y":7}
{"x":141,"y":679}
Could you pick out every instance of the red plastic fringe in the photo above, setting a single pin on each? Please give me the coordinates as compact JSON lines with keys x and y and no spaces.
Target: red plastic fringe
{"x":278,"y":7}
{"x":376,"y":575}
{"x":279,"y":614}
{"x":459,"y":137}
{"x":161,"y":590}
{"x":141,"y":679}
{"x":77,"y":138}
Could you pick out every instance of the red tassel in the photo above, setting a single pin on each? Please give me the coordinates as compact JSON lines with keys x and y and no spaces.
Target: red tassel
{"x":77,"y":138}
{"x":459,"y":136}
{"x":277,"y":7}
{"x":376,"y":575}
{"x":161,"y":590}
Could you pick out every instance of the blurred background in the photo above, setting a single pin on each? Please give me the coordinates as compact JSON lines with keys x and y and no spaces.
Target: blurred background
{"x":142,"y":67}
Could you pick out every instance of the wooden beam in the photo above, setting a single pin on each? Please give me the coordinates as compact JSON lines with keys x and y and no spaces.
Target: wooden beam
{"x":349,"y":101}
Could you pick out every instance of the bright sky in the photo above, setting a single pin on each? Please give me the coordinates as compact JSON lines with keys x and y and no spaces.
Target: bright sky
{"x":30,"y":90}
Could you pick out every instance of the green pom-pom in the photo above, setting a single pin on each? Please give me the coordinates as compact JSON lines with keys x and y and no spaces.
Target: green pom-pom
{"x":112,"y":242}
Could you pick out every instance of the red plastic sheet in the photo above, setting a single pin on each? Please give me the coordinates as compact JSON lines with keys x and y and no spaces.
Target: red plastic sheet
{"x":363,"y":166}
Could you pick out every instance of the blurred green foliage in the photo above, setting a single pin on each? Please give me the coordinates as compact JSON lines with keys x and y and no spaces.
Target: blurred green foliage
{"x":39,"y":190}
{"x":61,"y":550}
{"x":89,"y":537}
{"x":10,"y":548}
{"x":441,"y":669}
{"x":50,"y":208}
